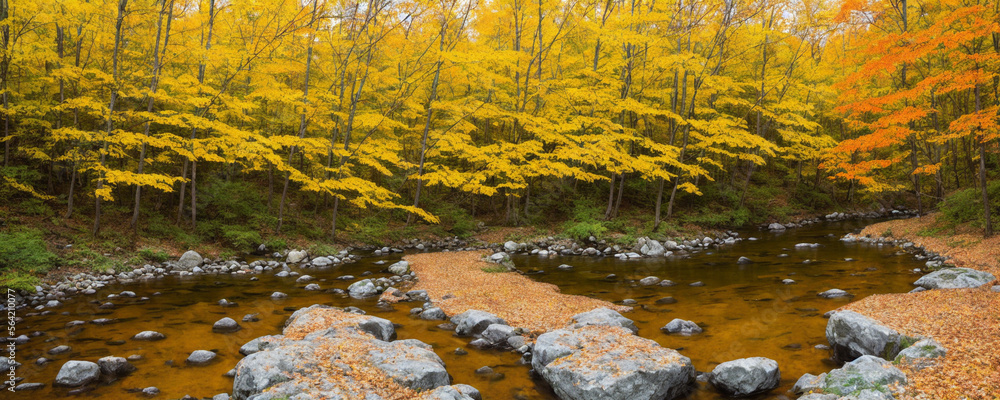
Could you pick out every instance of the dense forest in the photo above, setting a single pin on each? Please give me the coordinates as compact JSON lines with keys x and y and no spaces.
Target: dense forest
{"x":313,"y":117}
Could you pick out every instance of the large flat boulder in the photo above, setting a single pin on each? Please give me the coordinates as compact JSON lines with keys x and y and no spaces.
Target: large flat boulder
{"x":328,"y":353}
{"x":609,"y":363}
{"x":954,"y":278}
{"x":852,"y":335}
{"x":316,"y":317}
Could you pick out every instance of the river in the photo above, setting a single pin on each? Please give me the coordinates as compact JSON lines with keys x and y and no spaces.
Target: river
{"x":745,"y":310}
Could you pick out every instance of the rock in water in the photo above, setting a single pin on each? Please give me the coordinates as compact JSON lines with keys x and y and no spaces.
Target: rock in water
{"x":77,"y":373}
{"x":604,"y":317}
{"x":744,"y":260}
{"x":852,"y":335}
{"x":225,"y":325}
{"x":746,"y":376}
{"x":362,"y":289}
{"x":682,"y":327}
{"x":649,"y":281}
{"x":200,"y":357}
{"x":190,"y":259}
{"x":834,"y":293}
{"x":149,"y":336}
{"x":115,"y":367}
{"x":474,"y":322}
{"x":433,"y":313}
{"x":608,"y":362}
{"x":954,"y":278}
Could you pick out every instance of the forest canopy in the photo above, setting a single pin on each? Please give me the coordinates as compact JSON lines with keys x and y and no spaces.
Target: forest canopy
{"x":346,"y":106}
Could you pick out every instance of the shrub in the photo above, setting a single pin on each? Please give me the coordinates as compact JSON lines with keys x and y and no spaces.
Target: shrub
{"x":154,"y":255}
{"x":25,"y":250}
{"x":584,"y":221}
{"x":241,"y":237}
{"x":966,"y":206}
{"x":19,"y":280}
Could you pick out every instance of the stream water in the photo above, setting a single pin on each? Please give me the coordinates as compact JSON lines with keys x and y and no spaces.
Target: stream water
{"x":745,"y":310}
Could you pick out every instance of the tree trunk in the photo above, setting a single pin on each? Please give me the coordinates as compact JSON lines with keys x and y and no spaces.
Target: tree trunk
{"x":111,"y":110}
{"x":982,"y":171}
{"x":154,"y":82}
{"x":427,"y":122}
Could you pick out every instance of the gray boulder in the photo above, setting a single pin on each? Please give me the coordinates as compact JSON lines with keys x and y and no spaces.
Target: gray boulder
{"x":497,"y":334}
{"x":865,"y":373}
{"x":921,"y":354}
{"x":296,"y":256}
{"x":746,"y":376}
{"x":225,"y":325}
{"x":286,"y":368}
{"x":808,"y":383}
{"x":852,"y":335}
{"x":115,"y":367}
{"x":200,"y":357}
{"x":834,"y":293}
{"x":651,"y":248}
{"x":682,"y":327}
{"x":744,"y":260}
{"x":149,"y":336}
{"x":400,"y":267}
{"x":77,"y":373}
{"x":362,"y":289}
{"x":453,"y":392}
{"x":511,"y":246}
{"x":598,"y":362}
{"x":433,"y":313}
{"x":602,"y":316}
{"x":954,"y":278}
{"x":380,"y":328}
{"x":190,"y":259}
{"x":776,"y":227}
{"x":649,"y":281}
{"x":321,"y":261}
{"x":474,"y":322}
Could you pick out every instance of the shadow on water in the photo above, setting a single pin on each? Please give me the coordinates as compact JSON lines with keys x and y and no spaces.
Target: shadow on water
{"x":745,"y":310}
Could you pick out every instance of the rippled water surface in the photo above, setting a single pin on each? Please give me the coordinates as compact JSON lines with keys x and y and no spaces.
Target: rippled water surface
{"x":745,"y":310}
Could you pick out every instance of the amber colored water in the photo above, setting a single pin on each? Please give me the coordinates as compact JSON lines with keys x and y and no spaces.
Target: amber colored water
{"x":745,"y":310}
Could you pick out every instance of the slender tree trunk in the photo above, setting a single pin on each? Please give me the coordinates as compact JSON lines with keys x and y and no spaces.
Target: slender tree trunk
{"x":302,"y":118}
{"x":982,"y":170}
{"x":427,"y":121}
{"x":154,"y":82}
{"x":111,"y":110}
{"x":4,"y":72}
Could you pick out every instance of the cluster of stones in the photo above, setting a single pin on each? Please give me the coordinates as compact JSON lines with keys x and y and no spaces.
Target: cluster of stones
{"x":866,"y":347}
{"x":943,"y":276}
{"x":76,"y":374}
{"x":278,"y":367}
{"x":453,"y":243}
{"x":839,"y":216}
{"x":644,"y":247}
{"x":190,"y":263}
{"x":368,"y":287}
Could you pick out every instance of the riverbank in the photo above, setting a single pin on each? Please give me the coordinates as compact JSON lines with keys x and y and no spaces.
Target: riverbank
{"x":965,"y":321}
{"x":964,"y":246}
